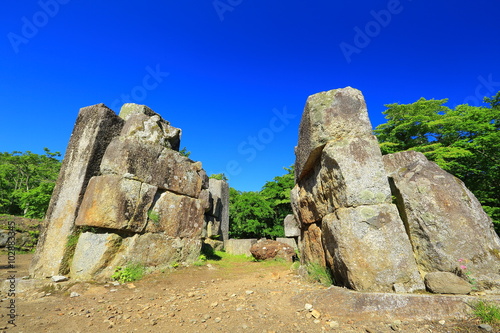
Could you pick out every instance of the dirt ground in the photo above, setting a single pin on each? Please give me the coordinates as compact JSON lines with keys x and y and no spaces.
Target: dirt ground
{"x":240,"y":297}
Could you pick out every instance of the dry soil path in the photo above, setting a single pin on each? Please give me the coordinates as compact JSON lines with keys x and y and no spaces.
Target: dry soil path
{"x":241,"y":297}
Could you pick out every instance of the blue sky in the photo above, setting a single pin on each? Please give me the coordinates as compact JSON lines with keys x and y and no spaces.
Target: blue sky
{"x":234,"y":74}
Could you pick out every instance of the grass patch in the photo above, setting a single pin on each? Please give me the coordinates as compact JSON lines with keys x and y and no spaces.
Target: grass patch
{"x":129,"y":273}
{"x":202,"y":260}
{"x":72,"y":240}
{"x":224,"y":259}
{"x":487,"y":312}
{"x":318,"y":273}
{"x":208,"y":251}
{"x":276,"y":262}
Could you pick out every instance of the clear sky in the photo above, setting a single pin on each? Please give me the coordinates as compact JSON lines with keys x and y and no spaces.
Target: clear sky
{"x":234,"y":74}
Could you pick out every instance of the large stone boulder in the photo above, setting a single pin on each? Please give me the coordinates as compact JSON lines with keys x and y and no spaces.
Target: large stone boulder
{"x":446,"y":223}
{"x":113,"y":202}
{"x":329,"y":116}
{"x":270,"y":249}
{"x":176,"y":216}
{"x":342,"y":198}
{"x":349,"y":173}
{"x":95,"y":127}
{"x":367,"y":249}
{"x":146,"y":126}
{"x":98,"y":255}
{"x":93,"y":253}
{"x":153,"y":164}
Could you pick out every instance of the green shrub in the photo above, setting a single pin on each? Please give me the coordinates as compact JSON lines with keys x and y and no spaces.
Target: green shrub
{"x":129,"y":273}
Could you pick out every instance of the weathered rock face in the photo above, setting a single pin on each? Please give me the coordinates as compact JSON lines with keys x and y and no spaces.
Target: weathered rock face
{"x":311,"y":245}
{"x":148,"y":127}
{"x":178,"y":216}
{"x":152,"y":250}
{"x":343,"y":200}
{"x":329,"y":116}
{"x":153,"y":164}
{"x":124,"y":179}
{"x":95,"y":127}
{"x":349,"y":173}
{"x":367,"y":249}
{"x":113,"y":202}
{"x":93,"y":253}
{"x":447,"y":226}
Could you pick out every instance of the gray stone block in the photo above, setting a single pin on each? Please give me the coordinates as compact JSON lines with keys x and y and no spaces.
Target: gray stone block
{"x":239,"y":246}
{"x":288,"y":241}
{"x":292,"y":227}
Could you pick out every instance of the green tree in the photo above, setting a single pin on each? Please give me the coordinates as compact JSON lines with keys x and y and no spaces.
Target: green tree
{"x":494,"y":101}
{"x":27,"y":181}
{"x":464,"y":141}
{"x":250,"y":215}
{"x":277,"y":192}
{"x":261,"y":214}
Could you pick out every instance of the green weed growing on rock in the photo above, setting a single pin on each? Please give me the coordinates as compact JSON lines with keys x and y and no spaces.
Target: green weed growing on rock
{"x":154,"y":216}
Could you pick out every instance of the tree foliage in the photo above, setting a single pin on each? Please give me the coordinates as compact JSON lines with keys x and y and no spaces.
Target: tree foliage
{"x":27,"y":181}
{"x":277,"y":192}
{"x":219,"y":176}
{"x":261,"y":214}
{"x":464,"y":141}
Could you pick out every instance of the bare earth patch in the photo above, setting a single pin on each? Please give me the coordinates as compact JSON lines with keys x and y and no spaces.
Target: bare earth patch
{"x":223,"y":297}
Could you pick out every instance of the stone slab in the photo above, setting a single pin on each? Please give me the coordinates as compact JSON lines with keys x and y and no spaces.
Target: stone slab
{"x":95,"y":127}
{"x":239,"y":246}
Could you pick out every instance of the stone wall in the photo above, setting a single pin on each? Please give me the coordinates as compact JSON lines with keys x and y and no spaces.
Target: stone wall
{"x":125,"y":195}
